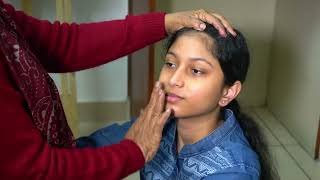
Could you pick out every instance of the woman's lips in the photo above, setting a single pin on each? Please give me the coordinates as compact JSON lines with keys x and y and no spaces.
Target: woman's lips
{"x":173,"y":98}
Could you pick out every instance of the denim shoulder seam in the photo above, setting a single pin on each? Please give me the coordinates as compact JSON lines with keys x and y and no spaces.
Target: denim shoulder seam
{"x":232,"y":129}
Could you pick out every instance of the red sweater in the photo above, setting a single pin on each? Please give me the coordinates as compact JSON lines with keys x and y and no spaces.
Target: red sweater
{"x":24,"y":154}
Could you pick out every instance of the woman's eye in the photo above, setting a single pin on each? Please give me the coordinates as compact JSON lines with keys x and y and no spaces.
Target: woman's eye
{"x":197,"y":72}
{"x":170,"y":65}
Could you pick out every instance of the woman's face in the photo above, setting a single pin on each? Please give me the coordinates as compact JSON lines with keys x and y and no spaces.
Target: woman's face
{"x":192,"y":77}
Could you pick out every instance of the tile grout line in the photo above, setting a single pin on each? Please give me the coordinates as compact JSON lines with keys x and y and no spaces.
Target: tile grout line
{"x":283,"y":146}
{"x":297,"y":142}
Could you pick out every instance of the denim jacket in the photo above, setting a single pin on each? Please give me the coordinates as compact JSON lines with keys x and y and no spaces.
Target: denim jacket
{"x":224,"y":154}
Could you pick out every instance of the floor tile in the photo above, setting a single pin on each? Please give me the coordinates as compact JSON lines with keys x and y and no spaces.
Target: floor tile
{"x":275,"y":127}
{"x":310,"y":167}
{"x":271,"y":140}
{"x":286,"y":166}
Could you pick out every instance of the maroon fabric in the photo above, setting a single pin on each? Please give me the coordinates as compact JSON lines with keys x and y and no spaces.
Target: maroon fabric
{"x":35,"y":84}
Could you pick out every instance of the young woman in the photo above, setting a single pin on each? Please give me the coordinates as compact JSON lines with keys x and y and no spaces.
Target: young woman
{"x":208,"y":137}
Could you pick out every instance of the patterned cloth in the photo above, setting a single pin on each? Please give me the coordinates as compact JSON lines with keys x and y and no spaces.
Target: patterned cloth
{"x":38,"y":88}
{"x":224,"y":151}
{"x":225,"y":154}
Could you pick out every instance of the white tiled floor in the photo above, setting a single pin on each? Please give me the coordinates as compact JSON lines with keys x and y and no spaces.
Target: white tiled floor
{"x":291,"y":161}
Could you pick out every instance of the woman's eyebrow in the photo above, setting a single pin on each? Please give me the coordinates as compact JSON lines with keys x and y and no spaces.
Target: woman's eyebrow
{"x":171,"y":53}
{"x":191,"y":58}
{"x":201,"y":59}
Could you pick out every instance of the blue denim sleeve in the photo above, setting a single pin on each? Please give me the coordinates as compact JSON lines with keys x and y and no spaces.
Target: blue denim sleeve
{"x":231,"y":176}
{"x":108,"y":135}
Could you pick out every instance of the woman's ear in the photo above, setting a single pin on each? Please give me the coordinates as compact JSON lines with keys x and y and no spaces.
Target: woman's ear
{"x":230,"y":93}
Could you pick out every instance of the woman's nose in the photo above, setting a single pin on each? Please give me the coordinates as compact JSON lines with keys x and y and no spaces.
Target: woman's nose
{"x":176,"y":79}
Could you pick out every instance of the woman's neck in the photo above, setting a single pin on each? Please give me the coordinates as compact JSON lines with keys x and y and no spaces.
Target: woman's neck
{"x":191,"y":130}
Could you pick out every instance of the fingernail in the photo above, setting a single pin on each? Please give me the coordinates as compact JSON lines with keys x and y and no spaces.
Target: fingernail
{"x":157,"y":85}
{"x":168,"y":110}
{"x":160,"y":92}
{"x":202,"y":26}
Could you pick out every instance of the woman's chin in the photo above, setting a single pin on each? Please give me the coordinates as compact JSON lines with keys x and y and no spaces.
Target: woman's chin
{"x":176,"y":112}
{"x":172,"y":107}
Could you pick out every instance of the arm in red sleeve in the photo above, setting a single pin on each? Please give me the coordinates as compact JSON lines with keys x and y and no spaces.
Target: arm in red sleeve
{"x":72,"y":47}
{"x":24,"y":154}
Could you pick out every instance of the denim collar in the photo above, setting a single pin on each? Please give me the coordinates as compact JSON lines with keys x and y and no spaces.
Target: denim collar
{"x":205,"y":144}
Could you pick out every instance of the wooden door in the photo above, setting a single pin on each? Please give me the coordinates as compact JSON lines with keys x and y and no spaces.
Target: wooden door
{"x":140,"y":65}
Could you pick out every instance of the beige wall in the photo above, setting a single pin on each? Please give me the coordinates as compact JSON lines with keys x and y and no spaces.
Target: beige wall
{"x":294,"y":86}
{"x":252,"y":17}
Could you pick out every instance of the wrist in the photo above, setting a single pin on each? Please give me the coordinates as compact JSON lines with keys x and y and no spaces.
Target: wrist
{"x":168,"y":22}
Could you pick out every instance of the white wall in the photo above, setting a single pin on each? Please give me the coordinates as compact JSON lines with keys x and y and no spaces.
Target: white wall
{"x":15,"y":3}
{"x":107,"y":82}
{"x":104,"y":83}
{"x":294,"y":86}
{"x":255,"y":19}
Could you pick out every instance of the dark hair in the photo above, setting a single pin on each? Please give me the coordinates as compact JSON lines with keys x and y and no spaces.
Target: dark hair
{"x":234,"y":59}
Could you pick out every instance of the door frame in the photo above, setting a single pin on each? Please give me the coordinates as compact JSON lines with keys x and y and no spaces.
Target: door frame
{"x":317,"y":148}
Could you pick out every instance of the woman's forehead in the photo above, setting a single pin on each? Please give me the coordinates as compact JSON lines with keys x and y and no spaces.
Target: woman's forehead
{"x":192,"y":44}
{"x":196,"y":38}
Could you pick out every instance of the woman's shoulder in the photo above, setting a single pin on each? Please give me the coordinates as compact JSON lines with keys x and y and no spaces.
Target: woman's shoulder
{"x":233,"y":154}
{"x":237,"y":150}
